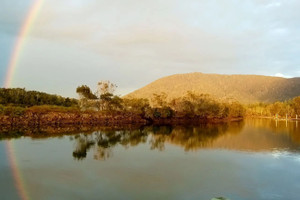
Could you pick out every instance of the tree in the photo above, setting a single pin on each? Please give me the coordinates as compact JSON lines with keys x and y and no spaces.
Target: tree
{"x":85,"y":92}
{"x":86,"y":96}
{"x":236,"y":110}
{"x":105,"y":92}
{"x":139,"y":106}
{"x":105,"y":87}
{"x":296,"y":105}
{"x":159,"y":100}
{"x":104,"y":99}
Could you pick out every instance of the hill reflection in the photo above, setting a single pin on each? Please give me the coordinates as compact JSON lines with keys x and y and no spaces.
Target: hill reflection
{"x":249,"y":135}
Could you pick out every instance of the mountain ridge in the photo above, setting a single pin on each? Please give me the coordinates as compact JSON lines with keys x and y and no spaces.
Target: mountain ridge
{"x":243,"y":88}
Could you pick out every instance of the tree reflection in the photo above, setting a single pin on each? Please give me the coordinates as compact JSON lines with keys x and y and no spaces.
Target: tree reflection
{"x":102,"y":153}
{"x":190,"y":138}
{"x":251,"y":135}
{"x":104,"y":141}
{"x":82,"y":145}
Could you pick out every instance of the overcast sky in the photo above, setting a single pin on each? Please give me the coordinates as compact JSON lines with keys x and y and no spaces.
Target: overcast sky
{"x":134,"y":42}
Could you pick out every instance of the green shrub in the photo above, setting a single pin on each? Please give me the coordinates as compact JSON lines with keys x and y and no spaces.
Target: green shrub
{"x":1,"y":109}
{"x":13,"y":111}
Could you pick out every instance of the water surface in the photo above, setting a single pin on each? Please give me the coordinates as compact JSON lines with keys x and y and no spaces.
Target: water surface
{"x":250,"y":160}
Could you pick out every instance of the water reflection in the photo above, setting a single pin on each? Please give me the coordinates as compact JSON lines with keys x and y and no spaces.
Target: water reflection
{"x":104,"y":141}
{"x":255,"y":159}
{"x":250,"y":135}
{"x":256,"y":135}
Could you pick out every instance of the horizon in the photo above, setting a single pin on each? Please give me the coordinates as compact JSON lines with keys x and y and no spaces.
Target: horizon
{"x":122,"y":95}
{"x":132,"y":44}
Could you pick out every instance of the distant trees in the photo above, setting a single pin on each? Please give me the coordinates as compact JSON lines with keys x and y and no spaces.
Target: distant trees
{"x":159,"y":106}
{"x":205,"y":106}
{"x":290,"y":108}
{"x":190,"y":105}
{"x":296,"y":105}
{"x":21,"y":97}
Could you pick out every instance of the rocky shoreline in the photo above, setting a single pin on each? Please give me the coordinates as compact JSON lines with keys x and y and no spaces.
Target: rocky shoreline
{"x":69,"y":118}
{"x":92,"y":119}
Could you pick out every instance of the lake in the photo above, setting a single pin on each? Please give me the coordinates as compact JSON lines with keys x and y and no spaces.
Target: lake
{"x":249,"y":160}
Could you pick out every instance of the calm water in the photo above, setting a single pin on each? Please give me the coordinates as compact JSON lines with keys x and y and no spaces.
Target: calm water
{"x":250,"y":160}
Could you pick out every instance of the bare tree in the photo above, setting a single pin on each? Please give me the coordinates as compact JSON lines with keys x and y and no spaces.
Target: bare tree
{"x":105,"y":87}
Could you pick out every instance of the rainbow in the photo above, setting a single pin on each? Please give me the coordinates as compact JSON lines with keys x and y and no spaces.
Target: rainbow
{"x":20,"y":41}
{"x":18,"y":180}
{"x":11,"y":68}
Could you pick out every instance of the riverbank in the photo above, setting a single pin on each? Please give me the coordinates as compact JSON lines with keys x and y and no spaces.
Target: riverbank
{"x":71,"y":118}
{"x":274,"y":118}
{"x":45,"y":131}
{"x":92,"y":118}
{"x":179,"y":120}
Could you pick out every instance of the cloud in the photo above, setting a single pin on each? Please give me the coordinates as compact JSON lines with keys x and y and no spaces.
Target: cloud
{"x":273,"y":4}
{"x":158,"y":37}
{"x":282,"y":75}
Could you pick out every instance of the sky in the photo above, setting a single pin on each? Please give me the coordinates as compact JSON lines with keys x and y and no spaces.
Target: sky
{"x":134,"y":42}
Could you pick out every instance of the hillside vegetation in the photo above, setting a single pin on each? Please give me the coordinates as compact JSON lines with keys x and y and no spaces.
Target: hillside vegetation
{"x":200,"y":107}
{"x":242,"y":88}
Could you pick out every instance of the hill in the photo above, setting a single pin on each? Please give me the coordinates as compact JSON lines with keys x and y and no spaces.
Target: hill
{"x":243,"y":88}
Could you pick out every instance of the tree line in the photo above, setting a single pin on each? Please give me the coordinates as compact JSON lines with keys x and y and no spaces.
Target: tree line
{"x":190,"y":105}
{"x":159,"y":106}
{"x":290,"y":109}
{"x":21,"y":97}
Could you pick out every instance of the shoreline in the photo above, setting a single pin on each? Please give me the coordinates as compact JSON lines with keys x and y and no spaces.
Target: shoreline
{"x":274,"y":118}
{"x":93,"y":119}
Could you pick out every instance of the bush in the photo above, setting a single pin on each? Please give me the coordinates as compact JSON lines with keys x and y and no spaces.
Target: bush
{"x":164,"y":112}
{"x":1,"y":109}
{"x":13,"y":111}
{"x":156,"y":113}
{"x":48,"y":108}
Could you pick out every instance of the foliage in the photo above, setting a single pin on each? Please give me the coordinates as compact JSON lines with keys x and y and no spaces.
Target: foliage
{"x":49,"y":108}
{"x":1,"y":109}
{"x":296,"y":105}
{"x":105,"y":87}
{"x":139,"y":106}
{"x":190,"y":105}
{"x":12,"y":110}
{"x":103,"y":100}
{"x":289,"y":108}
{"x":85,"y":92}
{"x":164,"y":112}
{"x":19,"y":111}
{"x":205,"y":106}
{"x":23,"y":98}
{"x":159,"y":100}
